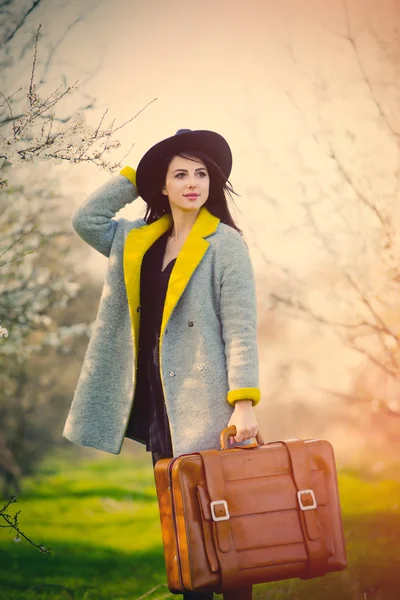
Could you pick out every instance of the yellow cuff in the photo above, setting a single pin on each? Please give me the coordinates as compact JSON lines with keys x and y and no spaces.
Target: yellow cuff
{"x":253,"y":394}
{"x":129,"y":173}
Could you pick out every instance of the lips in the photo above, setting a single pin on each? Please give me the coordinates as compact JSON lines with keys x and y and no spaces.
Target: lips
{"x":191,"y":195}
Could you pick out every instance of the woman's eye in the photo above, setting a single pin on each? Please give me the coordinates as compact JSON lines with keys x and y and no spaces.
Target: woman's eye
{"x":200,"y":173}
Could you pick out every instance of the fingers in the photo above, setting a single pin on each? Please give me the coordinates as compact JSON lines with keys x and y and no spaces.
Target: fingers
{"x":245,"y":434}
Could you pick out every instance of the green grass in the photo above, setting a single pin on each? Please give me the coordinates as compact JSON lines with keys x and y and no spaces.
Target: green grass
{"x":100,"y":517}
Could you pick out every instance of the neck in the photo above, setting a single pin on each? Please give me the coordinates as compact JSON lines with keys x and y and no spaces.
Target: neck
{"x":183,"y":222}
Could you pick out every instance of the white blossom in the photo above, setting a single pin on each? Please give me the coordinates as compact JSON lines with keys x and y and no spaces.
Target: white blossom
{"x":37,"y":276}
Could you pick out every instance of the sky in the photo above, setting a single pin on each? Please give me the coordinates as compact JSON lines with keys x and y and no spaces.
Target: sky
{"x":284,"y":82}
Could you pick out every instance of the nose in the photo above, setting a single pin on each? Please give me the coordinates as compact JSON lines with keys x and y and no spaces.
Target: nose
{"x":191,"y":183}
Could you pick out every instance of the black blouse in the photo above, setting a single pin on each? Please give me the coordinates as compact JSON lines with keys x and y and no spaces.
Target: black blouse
{"x":148,"y":422}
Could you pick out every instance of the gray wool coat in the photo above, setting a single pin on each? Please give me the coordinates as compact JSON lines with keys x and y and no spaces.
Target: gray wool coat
{"x":208,"y":338}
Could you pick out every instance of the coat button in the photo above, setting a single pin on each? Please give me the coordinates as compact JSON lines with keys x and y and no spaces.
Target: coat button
{"x":200,"y":368}
{"x":171,"y":374}
{"x":138,"y":309}
{"x":190,"y":323}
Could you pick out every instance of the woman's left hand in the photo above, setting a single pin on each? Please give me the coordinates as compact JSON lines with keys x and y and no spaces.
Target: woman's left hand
{"x":245,"y":421}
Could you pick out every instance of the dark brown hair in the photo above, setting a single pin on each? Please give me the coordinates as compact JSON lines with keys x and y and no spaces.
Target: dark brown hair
{"x":216,"y":203}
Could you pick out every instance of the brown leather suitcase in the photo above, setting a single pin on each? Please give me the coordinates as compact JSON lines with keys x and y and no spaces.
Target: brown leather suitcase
{"x":248,"y":515}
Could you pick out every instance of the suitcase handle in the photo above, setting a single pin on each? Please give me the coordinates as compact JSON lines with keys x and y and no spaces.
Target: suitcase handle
{"x":231,"y":431}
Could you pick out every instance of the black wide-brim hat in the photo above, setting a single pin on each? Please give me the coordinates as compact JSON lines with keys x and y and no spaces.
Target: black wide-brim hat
{"x":184,"y":140}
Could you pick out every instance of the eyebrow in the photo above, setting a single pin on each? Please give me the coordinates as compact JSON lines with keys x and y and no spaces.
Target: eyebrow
{"x":199,"y":169}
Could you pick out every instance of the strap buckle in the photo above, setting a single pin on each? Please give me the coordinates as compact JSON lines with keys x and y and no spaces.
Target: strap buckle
{"x":224,"y":504}
{"x":300,"y":493}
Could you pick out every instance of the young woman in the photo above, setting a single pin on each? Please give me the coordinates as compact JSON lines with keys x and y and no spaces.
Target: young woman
{"x":172,"y":358}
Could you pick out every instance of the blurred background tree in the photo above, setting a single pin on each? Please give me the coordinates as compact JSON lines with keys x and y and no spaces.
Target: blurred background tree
{"x":351,"y":217}
{"x":42,"y":287}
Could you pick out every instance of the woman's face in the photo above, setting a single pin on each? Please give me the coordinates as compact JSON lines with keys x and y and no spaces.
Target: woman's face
{"x":185,"y":176}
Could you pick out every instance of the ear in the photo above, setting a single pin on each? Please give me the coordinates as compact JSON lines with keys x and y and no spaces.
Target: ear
{"x":164,"y":191}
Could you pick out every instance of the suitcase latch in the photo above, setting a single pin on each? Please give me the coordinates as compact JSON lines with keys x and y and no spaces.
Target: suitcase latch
{"x":300,"y":493}
{"x":224,"y":517}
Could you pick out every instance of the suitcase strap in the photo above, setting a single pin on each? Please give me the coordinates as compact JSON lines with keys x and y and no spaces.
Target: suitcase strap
{"x":221,"y":529}
{"x":309,"y":519}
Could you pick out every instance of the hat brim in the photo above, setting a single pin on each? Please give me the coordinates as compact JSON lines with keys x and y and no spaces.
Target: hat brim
{"x":211,"y":143}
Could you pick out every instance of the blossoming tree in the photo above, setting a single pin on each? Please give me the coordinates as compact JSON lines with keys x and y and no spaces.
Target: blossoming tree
{"x":37,"y":277}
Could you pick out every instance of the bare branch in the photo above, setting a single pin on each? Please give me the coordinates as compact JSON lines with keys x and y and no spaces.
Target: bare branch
{"x":10,"y":36}
{"x":377,"y":317}
{"x":349,"y":37}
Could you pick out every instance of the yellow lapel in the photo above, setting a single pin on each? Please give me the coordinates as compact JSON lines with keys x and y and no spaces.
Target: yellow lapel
{"x":138,"y":241}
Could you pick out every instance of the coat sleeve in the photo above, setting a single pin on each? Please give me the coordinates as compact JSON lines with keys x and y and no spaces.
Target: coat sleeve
{"x":238,"y":317}
{"x":93,"y":221}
